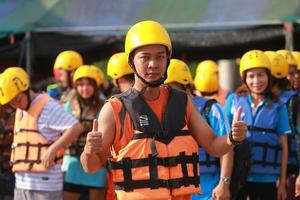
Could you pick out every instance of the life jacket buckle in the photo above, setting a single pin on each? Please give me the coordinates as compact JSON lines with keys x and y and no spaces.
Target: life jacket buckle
{"x":14,"y":145}
{"x":17,"y":130}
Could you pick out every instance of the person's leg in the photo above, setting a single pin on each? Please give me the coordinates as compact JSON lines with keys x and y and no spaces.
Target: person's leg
{"x":47,"y":195}
{"x":290,"y":187}
{"x":20,"y":194}
{"x":97,"y":194}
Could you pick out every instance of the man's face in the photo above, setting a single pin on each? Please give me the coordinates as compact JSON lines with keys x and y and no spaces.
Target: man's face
{"x":150,"y":61}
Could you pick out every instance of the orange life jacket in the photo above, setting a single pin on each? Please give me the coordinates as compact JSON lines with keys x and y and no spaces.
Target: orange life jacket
{"x":153,"y":159}
{"x":28,"y":143}
{"x":110,"y":191}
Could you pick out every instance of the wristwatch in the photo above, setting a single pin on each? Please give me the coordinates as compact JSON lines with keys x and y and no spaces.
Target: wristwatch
{"x":226,"y":180}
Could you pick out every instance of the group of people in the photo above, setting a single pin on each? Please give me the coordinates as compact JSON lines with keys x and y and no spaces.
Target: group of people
{"x":154,"y":131}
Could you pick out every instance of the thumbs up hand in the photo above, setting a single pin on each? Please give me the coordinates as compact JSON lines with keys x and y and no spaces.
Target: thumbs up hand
{"x":238,"y":129}
{"x":93,"y":140}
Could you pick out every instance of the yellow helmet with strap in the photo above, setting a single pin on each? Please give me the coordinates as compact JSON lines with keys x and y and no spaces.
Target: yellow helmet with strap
{"x":254,"y":59}
{"x":89,"y":71}
{"x":279,"y":65}
{"x":68,"y":60}
{"x":13,"y":81}
{"x":118,"y":66}
{"x":179,"y":72}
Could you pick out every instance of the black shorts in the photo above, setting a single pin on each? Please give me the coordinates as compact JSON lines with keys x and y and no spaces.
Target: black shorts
{"x":75,"y":188}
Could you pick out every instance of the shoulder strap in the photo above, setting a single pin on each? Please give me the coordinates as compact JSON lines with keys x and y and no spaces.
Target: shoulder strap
{"x":207,"y":107}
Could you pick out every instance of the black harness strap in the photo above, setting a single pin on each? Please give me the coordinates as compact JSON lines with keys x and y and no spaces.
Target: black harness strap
{"x":161,"y":183}
{"x":266,"y":147}
{"x":259,"y":129}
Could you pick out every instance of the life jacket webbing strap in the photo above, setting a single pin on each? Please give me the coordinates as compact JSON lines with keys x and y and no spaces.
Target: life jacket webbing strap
{"x":183,"y":168}
{"x":26,"y":130}
{"x":259,"y":129}
{"x":264,"y":162}
{"x":166,"y":162}
{"x":128,"y":183}
{"x":161,"y":183}
{"x":196,"y":169}
{"x":161,"y":134}
{"x":153,"y":172}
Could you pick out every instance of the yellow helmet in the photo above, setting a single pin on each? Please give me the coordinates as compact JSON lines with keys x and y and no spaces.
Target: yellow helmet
{"x":179,"y":72}
{"x":89,"y":71}
{"x":118,"y":66}
{"x":279,"y":65}
{"x":296,"y":55}
{"x":288,"y":56}
{"x":207,"y":65}
{"x":254,"y":59}
{"x":68,"y":60}
{"x":146,"y":33}
{"x":207,"y":81}
{"x":13,"y":81}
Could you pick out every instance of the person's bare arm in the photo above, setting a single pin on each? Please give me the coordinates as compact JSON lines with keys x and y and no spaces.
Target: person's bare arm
{"x":48,"y":158}
{"x":221,"y":191}
{"x":205,"y":137}
{"x":99,"y":141}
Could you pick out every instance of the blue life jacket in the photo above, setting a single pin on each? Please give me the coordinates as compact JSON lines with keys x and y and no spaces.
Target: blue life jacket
{"x":290,"y":98}
{"x":266,"y":149}
{"x":208,"y":163}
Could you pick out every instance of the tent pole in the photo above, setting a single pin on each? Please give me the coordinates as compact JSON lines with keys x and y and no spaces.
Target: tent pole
{"x":28,"y":53}
{"x":289,"y":33}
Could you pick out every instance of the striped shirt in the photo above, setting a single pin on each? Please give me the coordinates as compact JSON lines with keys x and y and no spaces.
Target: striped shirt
{"x":53,"y":121}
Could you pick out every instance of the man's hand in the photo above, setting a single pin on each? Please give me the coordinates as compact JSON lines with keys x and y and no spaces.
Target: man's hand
{"x":93,"y":140}
{"x":239,"y":128}
{"x":48,"y":158}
